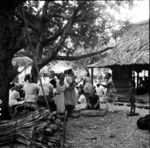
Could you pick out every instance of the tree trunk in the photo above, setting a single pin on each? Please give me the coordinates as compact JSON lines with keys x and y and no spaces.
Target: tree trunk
{"x":5,"y":78}
{"x":34,"y":73}
{"x":7,"y":71}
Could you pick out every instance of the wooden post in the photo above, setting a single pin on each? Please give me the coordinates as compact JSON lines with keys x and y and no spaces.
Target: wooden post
{"x":137,"y":79}
{"x":92,"y":74}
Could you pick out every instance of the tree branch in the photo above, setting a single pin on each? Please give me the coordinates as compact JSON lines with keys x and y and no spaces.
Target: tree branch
{"x":31,"y":17}
{"x":73,"y":58}
{"x":65,"y":33}
{"x":29,"y":24}
{"x":46,"y":42}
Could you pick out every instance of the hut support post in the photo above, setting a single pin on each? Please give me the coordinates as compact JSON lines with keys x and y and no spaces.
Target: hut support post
{"x":92,"y":69}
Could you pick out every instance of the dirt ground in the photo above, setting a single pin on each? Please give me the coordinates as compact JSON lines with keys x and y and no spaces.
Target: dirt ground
{"x":115,"y":130}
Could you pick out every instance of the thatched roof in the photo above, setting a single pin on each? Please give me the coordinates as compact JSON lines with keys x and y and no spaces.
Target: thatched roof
{"x":132,"y":48}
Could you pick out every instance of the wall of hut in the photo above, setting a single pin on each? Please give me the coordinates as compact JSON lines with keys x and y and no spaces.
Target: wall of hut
{"x":121,"y":76}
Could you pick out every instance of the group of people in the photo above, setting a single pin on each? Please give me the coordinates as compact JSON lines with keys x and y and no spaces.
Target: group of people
{"x":58,"y":93}
{"x":62,"y":93}
{"x":92,"y":96}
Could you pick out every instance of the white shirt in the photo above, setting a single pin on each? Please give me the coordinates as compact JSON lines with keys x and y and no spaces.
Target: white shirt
{"x":82,"y":103}
{"x":31,"y":92}
{"x":47,"y":89}
{"x":13,"y":96}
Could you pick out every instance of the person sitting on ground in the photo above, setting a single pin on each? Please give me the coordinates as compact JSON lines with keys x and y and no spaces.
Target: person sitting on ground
{"x":31,"y":91}
{"x":131,"y":95}
{"x":81,"y":103}
{"x":15,"y":98}
{"x":93,"y":100}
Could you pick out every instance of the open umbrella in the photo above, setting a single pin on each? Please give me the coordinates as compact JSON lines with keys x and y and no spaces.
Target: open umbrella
{"x":21,"y":61}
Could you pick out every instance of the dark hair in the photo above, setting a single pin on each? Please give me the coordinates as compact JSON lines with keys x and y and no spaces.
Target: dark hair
{"x":58,"y":76}
{"x":81,"y":89}
{"x":27,"y":77}
{"x":12,"y":85}
{"x":109,"y":84}
{"x":53,"y":82}
{"x":108,"y":75}
{"x":68,"y":71}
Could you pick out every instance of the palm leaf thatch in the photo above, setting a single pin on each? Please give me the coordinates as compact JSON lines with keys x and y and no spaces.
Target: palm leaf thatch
{"x":132,"y":48}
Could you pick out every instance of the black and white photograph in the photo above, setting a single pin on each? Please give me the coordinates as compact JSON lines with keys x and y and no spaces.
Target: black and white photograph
{"x":74,"y":74}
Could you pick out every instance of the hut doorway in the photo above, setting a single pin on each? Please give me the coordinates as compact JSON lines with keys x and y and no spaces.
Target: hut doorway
{"x":141,"y":80}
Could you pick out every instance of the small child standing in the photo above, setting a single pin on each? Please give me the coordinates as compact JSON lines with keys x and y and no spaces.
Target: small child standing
{"x":132,"y":96}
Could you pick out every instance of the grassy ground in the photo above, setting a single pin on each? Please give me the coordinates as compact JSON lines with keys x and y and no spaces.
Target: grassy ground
{"x":115,"y":130}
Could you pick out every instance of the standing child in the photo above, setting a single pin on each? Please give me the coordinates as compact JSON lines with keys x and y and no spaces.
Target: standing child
{"x":111,"y":96}
{"x":132,"y":96}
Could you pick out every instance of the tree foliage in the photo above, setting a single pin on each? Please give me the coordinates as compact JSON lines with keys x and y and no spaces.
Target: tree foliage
{"x":60,"y":28}
{"x":55,"y":30}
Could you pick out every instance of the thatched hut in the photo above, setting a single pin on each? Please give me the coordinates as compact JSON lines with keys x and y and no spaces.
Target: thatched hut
{"x":129,"y":57}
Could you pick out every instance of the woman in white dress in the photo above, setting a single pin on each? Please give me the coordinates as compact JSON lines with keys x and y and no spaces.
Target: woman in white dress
{"x":60,"y":98}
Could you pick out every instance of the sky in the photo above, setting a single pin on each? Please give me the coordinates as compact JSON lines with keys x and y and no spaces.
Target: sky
{"x":139,"y":13}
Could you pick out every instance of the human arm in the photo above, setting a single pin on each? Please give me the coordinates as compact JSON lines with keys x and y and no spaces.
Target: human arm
{"x":104,"y":85}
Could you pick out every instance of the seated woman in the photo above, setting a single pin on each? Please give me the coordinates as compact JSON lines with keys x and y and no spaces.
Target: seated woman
{"x":15,"y":98}
{"x":48,"y":92}
{"x":93,"y":100}
{"x":81,"y":104}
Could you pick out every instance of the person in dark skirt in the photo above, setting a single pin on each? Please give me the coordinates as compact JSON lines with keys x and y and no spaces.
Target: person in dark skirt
{"x":92,"y":100}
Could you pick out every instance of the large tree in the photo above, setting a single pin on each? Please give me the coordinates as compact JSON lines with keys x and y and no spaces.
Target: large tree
{"x":55,"y":30}
{"x":58,"y":28}
{"x":48,"y":32}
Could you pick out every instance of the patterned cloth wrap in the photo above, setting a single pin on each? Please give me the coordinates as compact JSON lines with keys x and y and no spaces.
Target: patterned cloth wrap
{"x":89,"y":88}
{"x":111,"y":95}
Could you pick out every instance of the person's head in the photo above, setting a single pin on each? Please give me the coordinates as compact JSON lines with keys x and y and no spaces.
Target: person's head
{"x":80,"y":89}
{"x":52,"y":74}
{"x":18,"y":87}
{"x":107,"y":75}
{"x":110,"y":85}
{"x":93,"y":92}
{"x":70,"y":72}
{"x":61,"y":76}
{"x":131,"y":83}
{"x":11,"y":86}
{"x":28,"y":78}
